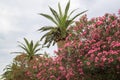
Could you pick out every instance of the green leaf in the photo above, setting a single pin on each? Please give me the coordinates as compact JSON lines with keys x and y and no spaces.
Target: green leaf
{"x":71,"y":13}
{"x":37,"y":50}
{"x":31,"y":48}
{"x":60,"y":11}
{"x":45,"y":35}
{"x":78,"y":15}
{"x":49,"y":17}
{"x":49,"y":39}
{"x":68,"y":22}
{"x":54,"y":43}
{"x":21,"y":44}
{"x":55,"y":14}
{"x":46,"y":28}
{"x":66,"y":13}
{"x":67,"y":8}
{"x":27,"y":45}
{"x":24,"y":48}
{"x":36,"y":45}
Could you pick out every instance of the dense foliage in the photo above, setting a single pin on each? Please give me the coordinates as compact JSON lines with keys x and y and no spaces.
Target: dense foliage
{"x":91,"y":52}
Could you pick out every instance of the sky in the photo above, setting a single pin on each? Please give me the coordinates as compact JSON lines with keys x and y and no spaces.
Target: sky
{"x":19,"y":19}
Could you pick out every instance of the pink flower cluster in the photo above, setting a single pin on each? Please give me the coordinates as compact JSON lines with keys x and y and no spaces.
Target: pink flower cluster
{"x":92,"y":46}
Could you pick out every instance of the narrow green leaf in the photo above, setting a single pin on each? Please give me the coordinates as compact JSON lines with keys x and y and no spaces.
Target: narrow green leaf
{"x":21,"y":44}
{"x":54,"y":43}
{"x":36,"y":45}
{"x":27,"y":45}
{"x":46,"y":28}
{"x":67,"y":8}
{"x":68,"y":22}
{"x":60,"y":11}
{"x":78,"y":15}
{"x":31,"y":47}
{"x":16,"y":52}
{"x":48,"y":39}
{"x":71,"y":13}
{"x":45,"y":35}
{"x":55,"y":14}
{"x":65,"y":14}
{"x":49,"y":17}
{"x":37,"y":50}
{"x":24,"y":48}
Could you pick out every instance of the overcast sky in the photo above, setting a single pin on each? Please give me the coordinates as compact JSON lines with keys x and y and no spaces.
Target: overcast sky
{"x":19,"y":19}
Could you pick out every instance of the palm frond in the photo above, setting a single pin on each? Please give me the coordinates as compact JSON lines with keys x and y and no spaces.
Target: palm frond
{"x":62,"y":21}
{"x":60,"y":11}
{"x":21,"y":44}
{"x":68,"y":22}
{"x":55,"y":14}
{"x":30,"y":48}
{"x":46,"y":28}
{"x":78,"y":14}
{"x":72,"y":12}
{"x":49,"y":17}
{"x":67,"y":8}
{"x":66,"y":13}
{"x":24,"y":48}
{"x":35,"y":51}
{"x":36,"y":46}
{"x":16,"y":52}
{"x":27,"y":43}
{"x":45,"y":35}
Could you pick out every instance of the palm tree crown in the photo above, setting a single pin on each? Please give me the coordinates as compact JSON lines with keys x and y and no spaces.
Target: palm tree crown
{"x":61,"y":20}
{"x":30,"y":48}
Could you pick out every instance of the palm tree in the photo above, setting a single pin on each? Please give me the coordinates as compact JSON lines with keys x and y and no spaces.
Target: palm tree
{"x":30,"y":49}
{"x":62,"y":21}
{"x":14,"y":71}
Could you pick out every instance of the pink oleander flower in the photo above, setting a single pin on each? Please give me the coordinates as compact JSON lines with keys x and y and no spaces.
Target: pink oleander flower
{"x":110,"y":60}
{"x":102,"y":18}
{"x":99,"y":23}
{"x":61,"y":68}
{"x":96,"y":59}
{"x":99,"y":54}
{"x":34,"y":67}
{"x":104,"y":59}
{"x":67,"y":44}
{"x":92,"y":56}
{"x":28,"y":73}
{"x":52,"y":76}
{"x":88,"y":63}
{"x":38,"y":75}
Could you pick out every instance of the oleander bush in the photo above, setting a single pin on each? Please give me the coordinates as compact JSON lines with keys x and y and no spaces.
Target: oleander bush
{"x":91,"y":52}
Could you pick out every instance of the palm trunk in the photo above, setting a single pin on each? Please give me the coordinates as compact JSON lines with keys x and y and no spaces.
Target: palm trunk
{"x":60,"y":44}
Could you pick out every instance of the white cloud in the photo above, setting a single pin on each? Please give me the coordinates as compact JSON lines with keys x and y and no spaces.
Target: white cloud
{"x":100,"y":7}
{"x":4,"y":22}
{"x":7,"y":19}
